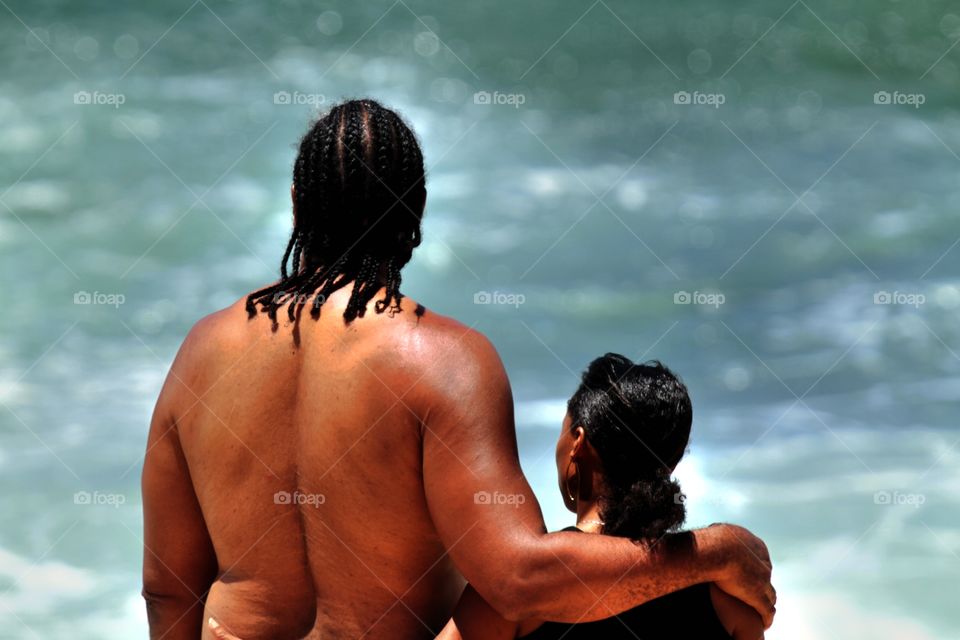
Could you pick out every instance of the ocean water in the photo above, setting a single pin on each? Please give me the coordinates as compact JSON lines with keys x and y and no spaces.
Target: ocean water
{"x":761,"y":195}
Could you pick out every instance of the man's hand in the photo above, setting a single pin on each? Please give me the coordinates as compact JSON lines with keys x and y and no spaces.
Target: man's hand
{"x":748,"y":567}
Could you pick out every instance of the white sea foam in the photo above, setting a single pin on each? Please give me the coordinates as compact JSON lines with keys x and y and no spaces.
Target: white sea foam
{"x":815,"y":615}
{"x":237,"y":193}
{"x":12,"y":389}
{"x":453,"y":185}
{"x":546,"y":413}
{"x":50,"y":599}
{"x":38,"y":195}
{"x":127,"y":620}
{"x":21,"y":138}
{"x":38,"y":585}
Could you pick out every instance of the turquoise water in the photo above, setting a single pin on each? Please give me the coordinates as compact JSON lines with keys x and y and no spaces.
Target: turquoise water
{"x":145,"y":152}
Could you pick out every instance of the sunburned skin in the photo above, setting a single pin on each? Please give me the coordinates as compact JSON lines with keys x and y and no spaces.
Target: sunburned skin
{"x":319,"y":481}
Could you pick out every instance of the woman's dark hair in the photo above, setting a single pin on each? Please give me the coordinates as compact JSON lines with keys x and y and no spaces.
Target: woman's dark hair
{"x":637,"y":417}
{"x":358,"y":192}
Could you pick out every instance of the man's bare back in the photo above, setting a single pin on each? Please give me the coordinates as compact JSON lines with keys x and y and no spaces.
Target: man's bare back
{"x":306,"y":461}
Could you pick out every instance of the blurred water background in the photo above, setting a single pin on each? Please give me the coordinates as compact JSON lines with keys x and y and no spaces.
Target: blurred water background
{"x":720,"y":186}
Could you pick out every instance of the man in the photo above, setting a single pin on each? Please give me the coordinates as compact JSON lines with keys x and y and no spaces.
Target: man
{"x":322,"y":474}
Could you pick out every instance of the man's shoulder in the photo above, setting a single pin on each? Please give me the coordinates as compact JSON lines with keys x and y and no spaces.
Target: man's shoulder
{"x":443,"y":340}
{"x":213,"y":334}
{"x":222,"y":324}
{"x":455,"y":355}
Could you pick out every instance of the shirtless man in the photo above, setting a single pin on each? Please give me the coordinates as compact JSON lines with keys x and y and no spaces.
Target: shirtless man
{"x":324,"y":475}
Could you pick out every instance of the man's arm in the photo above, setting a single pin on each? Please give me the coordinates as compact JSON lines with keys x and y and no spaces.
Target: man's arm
{"x":179,"y":563}
{"x":740,"y":621}
{"x":475,"y":618}
{"x":489,"y":519}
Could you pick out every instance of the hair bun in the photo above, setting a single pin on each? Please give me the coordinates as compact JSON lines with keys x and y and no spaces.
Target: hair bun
{"x":647,"y":510}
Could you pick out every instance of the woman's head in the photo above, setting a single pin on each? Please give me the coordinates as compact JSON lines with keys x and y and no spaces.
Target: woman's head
{"x":358,"y":198}
{"x":627,"y":424}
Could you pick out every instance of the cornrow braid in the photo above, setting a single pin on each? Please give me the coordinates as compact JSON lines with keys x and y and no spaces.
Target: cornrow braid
{"x":358,"y":196}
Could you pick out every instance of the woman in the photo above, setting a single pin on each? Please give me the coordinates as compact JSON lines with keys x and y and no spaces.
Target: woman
{"x":626,"y":428}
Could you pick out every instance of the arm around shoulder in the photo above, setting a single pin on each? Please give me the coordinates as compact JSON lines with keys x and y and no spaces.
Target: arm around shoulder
{"x":489,"y":519}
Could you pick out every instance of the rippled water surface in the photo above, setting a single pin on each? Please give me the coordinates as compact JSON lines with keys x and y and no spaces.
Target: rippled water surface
{"x":633,"y":157}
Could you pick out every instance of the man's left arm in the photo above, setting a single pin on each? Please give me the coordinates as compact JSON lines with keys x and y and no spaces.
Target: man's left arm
{"x":179,"y":562}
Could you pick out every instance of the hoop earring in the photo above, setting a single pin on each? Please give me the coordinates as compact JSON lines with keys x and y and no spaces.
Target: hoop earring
{"x":570,"y":496}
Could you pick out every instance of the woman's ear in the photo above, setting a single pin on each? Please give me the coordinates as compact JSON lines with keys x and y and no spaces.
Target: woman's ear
{"x":579,"y":440}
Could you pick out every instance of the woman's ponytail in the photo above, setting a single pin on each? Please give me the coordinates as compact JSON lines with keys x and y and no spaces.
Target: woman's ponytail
{"x":646,"y":509}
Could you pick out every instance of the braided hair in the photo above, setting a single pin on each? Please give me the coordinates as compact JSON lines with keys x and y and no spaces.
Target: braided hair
{"x":358,"y":197}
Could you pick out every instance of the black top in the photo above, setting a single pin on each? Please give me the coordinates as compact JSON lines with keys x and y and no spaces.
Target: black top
{"x":687,"y":613}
